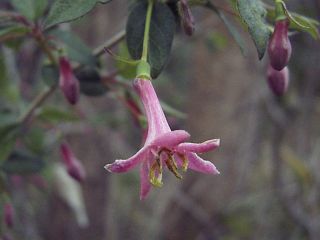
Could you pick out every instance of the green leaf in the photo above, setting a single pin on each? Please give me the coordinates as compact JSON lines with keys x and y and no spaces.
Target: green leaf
{"x":8,"y":136}
{"x":55,"y":115}
{"x":231,"y":28}
{"x":253,"y":14}
{"x":162,"y":28}
{"x":69,"y":10}
{"x":21,"y":162}
{"x":125,"y":70}
{"x":32,"y":9}
{"x":76,"y":49}
{"x":90,"y":82}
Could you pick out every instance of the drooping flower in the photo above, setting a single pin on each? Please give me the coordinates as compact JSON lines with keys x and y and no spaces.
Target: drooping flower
{"x":163,"y":147}
{"x":8,"y":213}
{"x":278,"y":81}
{"x":279,"y":48}
{"x":73,"y":165}
{"x":187,"y":19}
{"x":68,"y":82}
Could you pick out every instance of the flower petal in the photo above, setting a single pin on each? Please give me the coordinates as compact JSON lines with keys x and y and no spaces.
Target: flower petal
{"x":198,"y":164}
{"x":125,"y":165}
{"x":198,"y":147}
{"x":170,"y":139}
{"x":145,"y":185}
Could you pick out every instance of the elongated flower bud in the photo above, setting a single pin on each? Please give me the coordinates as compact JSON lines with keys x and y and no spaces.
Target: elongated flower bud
{"x":278,"y":81}
{"x":69,"y":84}
{"x":279,"y":47}
{"x":73,"y":165}
{"x":186,"y":17}
{"x":8,"y":215}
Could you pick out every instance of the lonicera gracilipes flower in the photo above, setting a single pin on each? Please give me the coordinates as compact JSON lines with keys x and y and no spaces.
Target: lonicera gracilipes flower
{"x":73,"y":165}
{"x":8,"y":213}
{"x":187,"y":19}
{"x":162,"y":147}
{"x":68,"y":83}
{"x":279,"y":48}
{"x":278,"y":81}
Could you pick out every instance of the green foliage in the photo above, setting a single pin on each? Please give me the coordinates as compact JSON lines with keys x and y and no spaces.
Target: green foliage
{"x":21,"y":162}
{"x":253,"y":14}
{"x":32,"y":9}
{"x":162,"y":28}
{"x":51,"y":114}
{"x":69,"y":10}
{"x":76,"y":49}
{"x":125,"y":69}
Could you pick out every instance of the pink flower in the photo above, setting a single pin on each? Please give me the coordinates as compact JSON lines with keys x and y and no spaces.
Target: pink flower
{"x":73,"y":165}
{"x":278,"y":81}
{"x":279,"y":47}
{"x":163,"y":147}
{"x":68,"y":83}
{"x":8,"y":213}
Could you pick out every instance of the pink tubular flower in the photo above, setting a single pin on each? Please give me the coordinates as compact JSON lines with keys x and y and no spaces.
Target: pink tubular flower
{"x":73,"y":165}
{"x":278,"y":81}
{"x":8,"y":215}
{"x":68,"y":83}
{"x":163,"y":147}
{"x":279,"y":47}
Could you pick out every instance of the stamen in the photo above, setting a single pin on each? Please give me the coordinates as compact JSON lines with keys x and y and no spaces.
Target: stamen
{"x":172,"y":166}
{"x":156,"y":168}
{"x":185,"y":162}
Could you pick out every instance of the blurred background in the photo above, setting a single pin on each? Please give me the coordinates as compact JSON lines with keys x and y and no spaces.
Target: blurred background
{"x":269,"y":186}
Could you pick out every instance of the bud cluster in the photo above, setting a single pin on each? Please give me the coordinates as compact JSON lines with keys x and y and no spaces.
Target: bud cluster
{"x":279,"y":50}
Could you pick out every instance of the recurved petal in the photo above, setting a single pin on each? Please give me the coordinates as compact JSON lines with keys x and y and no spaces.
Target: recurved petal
{"x":198,"y":164}
{"x":125,"y":165}
{"x":198,"y":147}
{"x":171,"y":139}
{"x":144,"y":180}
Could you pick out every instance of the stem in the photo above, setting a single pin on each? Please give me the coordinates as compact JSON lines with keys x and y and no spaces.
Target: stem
{"x":147,"y":32}
{"x":36,"y":103}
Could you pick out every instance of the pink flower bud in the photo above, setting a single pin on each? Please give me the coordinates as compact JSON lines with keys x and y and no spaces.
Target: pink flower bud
{"x":186,"y":17}
{"x":69,"y":84}
{"x":8,"y":215}
{"x":73,"y":165}
{"x":278,"y":81}
{"x":279,"y":47}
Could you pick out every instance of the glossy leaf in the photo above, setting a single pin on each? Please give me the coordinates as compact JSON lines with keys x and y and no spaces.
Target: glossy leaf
{"x":69,"y":10}
{"x":31,"y":9}
{"x":162,"y":30}
{"x":253,"y":15}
